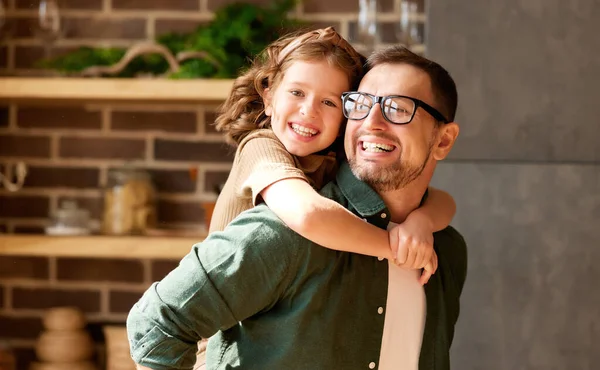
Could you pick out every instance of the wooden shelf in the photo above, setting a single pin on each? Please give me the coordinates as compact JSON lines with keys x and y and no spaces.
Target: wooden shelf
{"x":114,"y":90}
{"x":147,"y":247}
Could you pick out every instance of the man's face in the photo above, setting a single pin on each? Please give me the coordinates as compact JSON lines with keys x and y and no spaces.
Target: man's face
{"x":384,"y":155}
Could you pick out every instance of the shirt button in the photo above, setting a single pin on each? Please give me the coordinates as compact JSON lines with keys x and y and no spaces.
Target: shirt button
{"x":372,"y":365}
{"x":383,"y":215}
{"x":380,"y":258}
{"x":380,"y":310}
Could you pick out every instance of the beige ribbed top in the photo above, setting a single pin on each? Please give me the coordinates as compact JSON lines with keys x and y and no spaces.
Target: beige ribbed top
{"x":262,"y":160}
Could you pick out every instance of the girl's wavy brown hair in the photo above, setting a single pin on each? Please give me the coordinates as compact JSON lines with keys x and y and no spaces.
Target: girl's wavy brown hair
{"x":244,"y":109}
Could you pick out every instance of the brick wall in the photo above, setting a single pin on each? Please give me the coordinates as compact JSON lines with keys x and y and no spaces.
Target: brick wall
{"x":70,"y":148}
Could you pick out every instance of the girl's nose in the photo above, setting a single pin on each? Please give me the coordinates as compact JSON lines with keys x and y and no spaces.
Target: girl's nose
{"x":308,"y":108}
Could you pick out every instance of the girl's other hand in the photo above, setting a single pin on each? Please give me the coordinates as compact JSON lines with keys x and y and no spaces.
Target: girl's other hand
{"x":412,"y":245}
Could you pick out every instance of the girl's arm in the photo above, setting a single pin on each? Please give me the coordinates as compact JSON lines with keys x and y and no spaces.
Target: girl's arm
{"x":437,"y":211}
{"x":323,"y":220}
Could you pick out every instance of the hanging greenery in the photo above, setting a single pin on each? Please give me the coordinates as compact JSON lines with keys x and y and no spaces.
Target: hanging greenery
{"x":218,"y":49}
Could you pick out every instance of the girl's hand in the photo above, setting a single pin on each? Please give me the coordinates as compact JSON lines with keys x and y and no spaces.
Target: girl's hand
{"x":412,"y":245}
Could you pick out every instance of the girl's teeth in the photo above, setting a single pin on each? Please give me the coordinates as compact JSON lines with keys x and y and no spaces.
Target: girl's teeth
{"x":303,"y":131}
{"x":376,"y":147}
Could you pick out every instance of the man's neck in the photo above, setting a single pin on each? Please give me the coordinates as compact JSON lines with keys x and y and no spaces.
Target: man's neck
{"x":403,"y":201}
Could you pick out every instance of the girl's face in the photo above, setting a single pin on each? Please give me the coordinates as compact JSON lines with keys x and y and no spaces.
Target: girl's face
{"x":306,"y":106}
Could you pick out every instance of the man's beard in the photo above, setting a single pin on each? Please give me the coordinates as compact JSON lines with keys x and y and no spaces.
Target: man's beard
{"x":389,"y":177}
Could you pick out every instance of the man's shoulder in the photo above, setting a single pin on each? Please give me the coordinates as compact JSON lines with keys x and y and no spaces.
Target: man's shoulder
{"x":261,"y":223}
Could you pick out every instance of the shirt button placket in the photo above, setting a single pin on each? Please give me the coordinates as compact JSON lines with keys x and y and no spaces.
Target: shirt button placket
{"x":380,"y":310}
{"x":372,"y":365}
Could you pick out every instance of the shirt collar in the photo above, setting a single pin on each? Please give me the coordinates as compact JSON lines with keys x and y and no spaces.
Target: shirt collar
{"x":361,"y":196}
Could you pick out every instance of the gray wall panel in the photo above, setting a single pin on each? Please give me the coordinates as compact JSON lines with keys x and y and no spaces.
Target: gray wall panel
{"x":528,"y":76}
{"x":532,"y":299}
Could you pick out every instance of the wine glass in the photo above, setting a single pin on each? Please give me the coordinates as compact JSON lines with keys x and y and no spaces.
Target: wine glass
{"x":49,"y":24}
{"x":408,"y":32}
{"x":368,"y":34}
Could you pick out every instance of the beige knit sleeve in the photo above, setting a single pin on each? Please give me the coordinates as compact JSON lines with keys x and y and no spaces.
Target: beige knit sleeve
{"x":263,"y":160}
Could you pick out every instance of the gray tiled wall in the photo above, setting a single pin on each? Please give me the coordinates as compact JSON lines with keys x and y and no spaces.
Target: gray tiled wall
{"x":526,"y":177}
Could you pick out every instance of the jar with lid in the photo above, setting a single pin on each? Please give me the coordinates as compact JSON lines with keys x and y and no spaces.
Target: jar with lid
{"x":69,"y":219}
{"x":129,"y":202}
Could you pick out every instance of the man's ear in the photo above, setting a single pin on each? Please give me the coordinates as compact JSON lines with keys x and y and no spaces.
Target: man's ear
{"x":267,"y":99}
{"x":447,"y":135}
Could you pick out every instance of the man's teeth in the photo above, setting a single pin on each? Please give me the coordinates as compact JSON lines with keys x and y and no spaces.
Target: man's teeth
{"x":304,"y":131}
{"x":376,"y":147}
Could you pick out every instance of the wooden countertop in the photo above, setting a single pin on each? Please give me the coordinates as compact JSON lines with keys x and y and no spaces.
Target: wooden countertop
{"x":143,"y":247}
{"x":114,"y":89}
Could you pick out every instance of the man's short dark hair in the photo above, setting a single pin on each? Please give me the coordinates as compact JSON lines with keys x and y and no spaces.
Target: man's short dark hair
{"x":442,"y":84}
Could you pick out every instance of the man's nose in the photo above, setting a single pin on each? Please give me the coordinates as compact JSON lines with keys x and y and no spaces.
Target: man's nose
{"x":375,"y":120}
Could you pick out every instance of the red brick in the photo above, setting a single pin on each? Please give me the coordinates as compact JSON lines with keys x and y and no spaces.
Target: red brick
{"x":20,"y":327}
{"x":105,"y":28}
{"x":24,"y":267}
{"x":160,"y":268}
{"x":29,"y":229}
{"x":79,"y":147}
{"x":214,"y":5}
{"x":214,"y":179}
{"x":63,"y":177}
{"x":154,"y":121}
{"x":25,"y":356}
{"x":121,"y":302}
{"x":93,"y":205}
{"x":156,"y":4}
{"x":3,"y":117}
{"x":342,"y":6}
{"x":3,"y":56}
{"x":12,"y":145}
{"x":171,"y":211}
{"x":210,"y":118}
{"x":81,"y":269}
{"x":42,"y":298}
{"x":24,"y":206}
{"x":58,"y":117}
{"x":164,"y":26}
{"x":173,"y":181}
{"x":27,"y":56}
{"x":192,"y":151}
{"x":64,"y":4}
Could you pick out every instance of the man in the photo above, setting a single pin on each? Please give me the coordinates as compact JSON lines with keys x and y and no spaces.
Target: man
{"x":274,"y":300}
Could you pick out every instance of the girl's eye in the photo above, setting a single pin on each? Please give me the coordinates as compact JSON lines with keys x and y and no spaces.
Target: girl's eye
{"x":330,"y":103}
{"x":296,"y":92}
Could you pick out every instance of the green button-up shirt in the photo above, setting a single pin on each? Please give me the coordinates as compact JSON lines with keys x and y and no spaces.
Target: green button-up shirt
{"x":271,"y":299}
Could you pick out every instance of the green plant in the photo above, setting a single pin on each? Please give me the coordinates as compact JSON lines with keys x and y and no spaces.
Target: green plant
{"x":230,"y":41}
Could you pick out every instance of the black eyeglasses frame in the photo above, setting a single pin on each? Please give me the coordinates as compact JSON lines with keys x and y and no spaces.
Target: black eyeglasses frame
{"x":380,"y":100}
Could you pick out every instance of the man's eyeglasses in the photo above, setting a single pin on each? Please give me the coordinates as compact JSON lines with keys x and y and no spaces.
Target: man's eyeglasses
{"x":396,"y":109}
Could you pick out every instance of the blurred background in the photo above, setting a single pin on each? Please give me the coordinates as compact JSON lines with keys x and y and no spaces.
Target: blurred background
{"x":525,"y":171}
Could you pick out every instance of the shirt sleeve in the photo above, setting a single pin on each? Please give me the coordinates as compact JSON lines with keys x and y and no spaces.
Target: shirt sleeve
{"x":227,"y":278}
{"x":263,"y":161}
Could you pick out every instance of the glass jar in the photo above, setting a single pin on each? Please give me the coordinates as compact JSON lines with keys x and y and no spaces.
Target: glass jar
{"x":129,"y":202}
{"x":69,"y":219}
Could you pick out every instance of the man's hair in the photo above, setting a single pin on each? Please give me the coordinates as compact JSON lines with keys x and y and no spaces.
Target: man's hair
{"x":442,"y":84}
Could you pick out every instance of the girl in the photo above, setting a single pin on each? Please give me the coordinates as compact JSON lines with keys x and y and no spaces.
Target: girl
{"x":284,"y":114}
